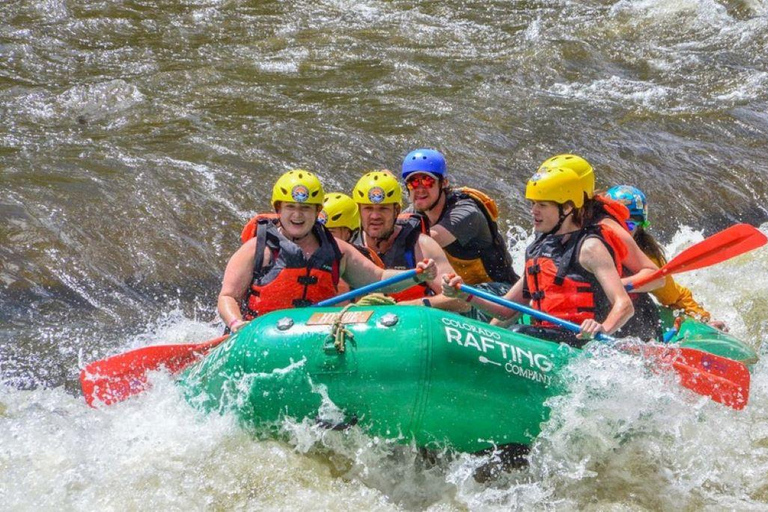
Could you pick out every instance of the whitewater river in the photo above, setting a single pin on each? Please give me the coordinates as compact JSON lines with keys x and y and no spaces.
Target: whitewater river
{"x":137,"y":136}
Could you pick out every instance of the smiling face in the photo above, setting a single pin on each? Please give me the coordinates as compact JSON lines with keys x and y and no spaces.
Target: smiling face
{"x":423,"y":190}
{"x":379,"y":219}
{"x":546,"y":215}
{"x":297,"y":219}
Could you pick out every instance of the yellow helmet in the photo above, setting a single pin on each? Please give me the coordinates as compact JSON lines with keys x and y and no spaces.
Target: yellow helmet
{"x":558,"y":184}
{"x":581,"y":167}
{"x":378,"y":187}
{"x":339,"y":211}
{"x":298,"y":186}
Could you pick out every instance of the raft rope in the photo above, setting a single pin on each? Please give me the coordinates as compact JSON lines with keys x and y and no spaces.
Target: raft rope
{"x":340,"y":334}
{"x":375,"y":299}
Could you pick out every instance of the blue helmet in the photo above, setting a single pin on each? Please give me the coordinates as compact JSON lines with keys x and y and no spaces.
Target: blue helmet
{"x":427,"y":161}
{"x":633,"y":198}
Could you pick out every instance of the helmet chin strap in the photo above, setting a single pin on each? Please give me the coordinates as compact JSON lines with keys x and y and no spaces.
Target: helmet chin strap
{"x":378,"y":240}
{"x":439,"y":195}
{"x":559,"y":224}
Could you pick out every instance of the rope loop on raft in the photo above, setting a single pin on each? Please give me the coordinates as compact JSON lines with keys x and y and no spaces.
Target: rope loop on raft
{"x":340,"y":334}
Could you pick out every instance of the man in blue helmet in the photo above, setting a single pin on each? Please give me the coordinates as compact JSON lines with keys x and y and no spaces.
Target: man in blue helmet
{"x":461,"y":222}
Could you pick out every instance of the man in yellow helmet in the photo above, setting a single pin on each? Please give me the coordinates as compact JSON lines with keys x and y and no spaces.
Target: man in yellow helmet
{"x":341,"y":216}
{"x":571,"y":268}
{"x":293,"y":261}
{"x":400,"y":242}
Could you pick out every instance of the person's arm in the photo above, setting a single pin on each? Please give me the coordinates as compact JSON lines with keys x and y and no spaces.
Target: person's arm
{"x":428,"y":248}
{"x":358,"y":271}
{"x":463,"y":222}
{"x":676,"y":296}
{"x":237,"y":278}
{"x":451,"y":282}
{"x":637,"y":263}
{"x":441,"y":235}
{"x":595,"y":258}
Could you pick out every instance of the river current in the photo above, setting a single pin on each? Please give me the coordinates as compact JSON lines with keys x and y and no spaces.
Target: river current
{"x":138,"y":136}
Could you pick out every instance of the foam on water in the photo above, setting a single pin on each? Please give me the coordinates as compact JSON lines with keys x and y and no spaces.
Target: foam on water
{"x":154,"y":452}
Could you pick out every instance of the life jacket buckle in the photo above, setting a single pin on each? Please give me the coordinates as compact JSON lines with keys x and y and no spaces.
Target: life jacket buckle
{"x":301,"y":303}
{"x":307,"y":280}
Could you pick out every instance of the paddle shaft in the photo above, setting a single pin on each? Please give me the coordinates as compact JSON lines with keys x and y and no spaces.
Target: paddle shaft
{"x":408,"y":274}
{"x":721,"y":246}
{"x":528,"y":310}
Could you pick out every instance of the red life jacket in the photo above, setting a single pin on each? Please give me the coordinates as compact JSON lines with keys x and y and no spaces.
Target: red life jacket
{"x":556,"y":282}
{"x":610,"y":208}
{"x":402,"y":254}
{"x":645,"y":323}
{"x":290,"y":279}
{"x":249,"y":230}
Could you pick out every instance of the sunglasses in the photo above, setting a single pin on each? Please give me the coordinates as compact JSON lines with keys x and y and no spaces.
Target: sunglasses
{"x":420,"y":181}
{"x":632,"y":224}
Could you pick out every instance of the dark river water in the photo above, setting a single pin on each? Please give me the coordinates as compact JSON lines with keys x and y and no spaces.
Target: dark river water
{"x":136,"y":138}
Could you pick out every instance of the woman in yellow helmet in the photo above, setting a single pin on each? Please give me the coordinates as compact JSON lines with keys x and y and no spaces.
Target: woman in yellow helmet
{"x":571,"y":268}
{"x":293,"y":261}
{"x":610,"y":216}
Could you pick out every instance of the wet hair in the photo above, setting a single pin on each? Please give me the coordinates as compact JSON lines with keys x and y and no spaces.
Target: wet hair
{"x":586,"y":214}
{"x":649,"y":245}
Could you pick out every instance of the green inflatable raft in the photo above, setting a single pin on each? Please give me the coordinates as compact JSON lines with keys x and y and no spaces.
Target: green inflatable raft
{"x":403,"y":372}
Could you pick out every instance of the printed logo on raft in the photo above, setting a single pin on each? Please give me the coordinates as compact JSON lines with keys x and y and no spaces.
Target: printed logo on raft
{"x":520,"y":362}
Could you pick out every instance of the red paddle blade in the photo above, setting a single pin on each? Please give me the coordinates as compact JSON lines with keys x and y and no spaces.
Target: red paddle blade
{"x":723,"y":380}
{"x":118,"y":377}
{"x":719,"y":247}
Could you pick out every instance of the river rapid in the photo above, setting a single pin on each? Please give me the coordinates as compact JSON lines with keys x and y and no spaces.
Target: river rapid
{"x":138,"y":136}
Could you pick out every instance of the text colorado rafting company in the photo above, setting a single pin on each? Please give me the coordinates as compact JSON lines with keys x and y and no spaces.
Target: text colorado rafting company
{"x":520,"y":362}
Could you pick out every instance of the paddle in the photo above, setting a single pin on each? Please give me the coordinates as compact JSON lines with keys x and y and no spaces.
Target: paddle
{"x":724,"y":380}
{"x":719,"y":247}
{"x":118,"y":377}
